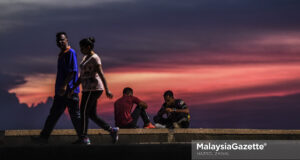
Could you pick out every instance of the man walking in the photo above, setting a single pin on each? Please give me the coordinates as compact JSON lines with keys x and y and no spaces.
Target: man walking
{"x":66,"y":77}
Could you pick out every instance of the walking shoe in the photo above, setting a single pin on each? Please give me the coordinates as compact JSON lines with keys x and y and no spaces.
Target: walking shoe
{"x":158,"y":125}
{"x":150,"y":125}
{"x":114,"y":134}
{"x":39,"y":140}
{"x":85,"y":141}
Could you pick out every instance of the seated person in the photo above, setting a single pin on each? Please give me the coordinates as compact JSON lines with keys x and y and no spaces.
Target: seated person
{"x":173,"y":114}
{"x":123,"y":106}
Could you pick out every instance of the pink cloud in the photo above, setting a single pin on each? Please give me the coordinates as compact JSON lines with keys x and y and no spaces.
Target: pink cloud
{"x":196,"y":84}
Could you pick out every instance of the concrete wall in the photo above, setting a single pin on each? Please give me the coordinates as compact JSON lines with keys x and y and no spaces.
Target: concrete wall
{"x":150,"y":136}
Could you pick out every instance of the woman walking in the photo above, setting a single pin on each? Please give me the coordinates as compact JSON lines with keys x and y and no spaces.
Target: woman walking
{"x":93,"y":83}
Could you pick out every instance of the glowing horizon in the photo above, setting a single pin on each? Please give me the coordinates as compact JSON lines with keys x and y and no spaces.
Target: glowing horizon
{"x":196,"y":84}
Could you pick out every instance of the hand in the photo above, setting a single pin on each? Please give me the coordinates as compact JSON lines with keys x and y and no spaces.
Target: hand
{"x":62,"y":91}
{"x":168,"y":110}
{"x":143,"y":105}
{"x":109,"y":95}
{"x":70,"y":94}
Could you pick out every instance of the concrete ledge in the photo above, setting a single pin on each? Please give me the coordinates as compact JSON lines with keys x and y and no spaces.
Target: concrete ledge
{"x":90,"y":132}
{"x":151,"y":136}
{"x":154,"y":131}
{"x":235,"y":131}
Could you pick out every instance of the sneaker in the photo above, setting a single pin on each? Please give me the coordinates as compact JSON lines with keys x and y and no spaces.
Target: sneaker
{"x":114,"y":134}
{"x":39,"y":140}
{"x":150,"y":125}
{"x":85,"y":141}
{"x":158,"y":125}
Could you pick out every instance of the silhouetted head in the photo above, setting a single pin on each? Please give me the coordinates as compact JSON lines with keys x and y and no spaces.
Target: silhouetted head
{"x":87,"y":45}
{"x":62,"y":40}
{"x":128,"y":91}
{"x":169,"y":96}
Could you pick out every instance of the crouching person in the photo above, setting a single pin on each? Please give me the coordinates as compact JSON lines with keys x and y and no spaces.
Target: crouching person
{"x":174,"y":113}
{"x":124,"y":118}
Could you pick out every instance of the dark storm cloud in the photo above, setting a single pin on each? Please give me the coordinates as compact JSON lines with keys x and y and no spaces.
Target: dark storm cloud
{"x":144,"y":32}
{"x":14,"y":115}
{"x":147,"y":31}
{"x":8,"y":81}
{"x":256,"y":113}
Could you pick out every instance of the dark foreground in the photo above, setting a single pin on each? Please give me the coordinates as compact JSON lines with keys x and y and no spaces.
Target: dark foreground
{"x":142,"y":144}
{"x":99,"y":152}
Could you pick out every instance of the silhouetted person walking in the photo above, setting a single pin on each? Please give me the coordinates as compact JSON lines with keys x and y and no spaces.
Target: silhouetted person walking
{"x":93,"y":83}
{"x":66,"y":77}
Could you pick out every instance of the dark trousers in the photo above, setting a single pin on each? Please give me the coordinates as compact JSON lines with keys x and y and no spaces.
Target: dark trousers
{"x":88,"y":109}
{"x":138,"y":111}
{"x":182,"y":121}
{"x":58,"y":107}
{"x":164,"y":121}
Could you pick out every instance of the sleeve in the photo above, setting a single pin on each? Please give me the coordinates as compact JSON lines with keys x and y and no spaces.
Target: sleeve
{"x":96,"y":60}
{"x":136,"y":100}
{"x":72,"y":62}
{"x":182,"y":104}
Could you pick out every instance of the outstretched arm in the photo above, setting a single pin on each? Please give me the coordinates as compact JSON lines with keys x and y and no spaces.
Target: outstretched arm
{"x":143,"y":105}
{"x":186,"y":110}
{"x":101,"y":75}
{"x":182,"y":108}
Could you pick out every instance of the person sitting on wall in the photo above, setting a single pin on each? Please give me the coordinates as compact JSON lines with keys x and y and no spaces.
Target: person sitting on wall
{"x":124,"y":118}
{"x":174,"y":113}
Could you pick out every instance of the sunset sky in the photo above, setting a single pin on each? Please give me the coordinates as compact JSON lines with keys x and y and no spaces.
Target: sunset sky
{"x":206,"y":51}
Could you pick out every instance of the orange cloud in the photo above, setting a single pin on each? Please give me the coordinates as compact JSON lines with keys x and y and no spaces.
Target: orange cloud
{"x":208,"y":81}
{"x":36,"y":89}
